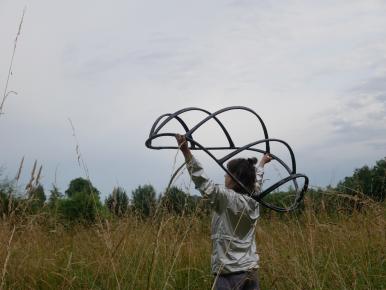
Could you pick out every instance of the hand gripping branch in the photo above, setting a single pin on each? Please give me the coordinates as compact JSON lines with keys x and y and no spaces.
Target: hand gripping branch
{"x":194,"y":145}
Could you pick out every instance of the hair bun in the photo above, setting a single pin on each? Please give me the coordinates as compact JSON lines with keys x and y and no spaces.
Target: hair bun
{"x":252,"y":160}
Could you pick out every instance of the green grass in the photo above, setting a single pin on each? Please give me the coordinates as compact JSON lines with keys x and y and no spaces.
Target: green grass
{"x":306,"y":251}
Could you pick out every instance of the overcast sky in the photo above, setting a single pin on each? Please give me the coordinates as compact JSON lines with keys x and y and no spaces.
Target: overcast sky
{"x":315,"y":71}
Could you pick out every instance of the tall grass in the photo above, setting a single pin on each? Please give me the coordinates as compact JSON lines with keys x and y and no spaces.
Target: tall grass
{"x":6,"y":92}
{"x":304,"y":251}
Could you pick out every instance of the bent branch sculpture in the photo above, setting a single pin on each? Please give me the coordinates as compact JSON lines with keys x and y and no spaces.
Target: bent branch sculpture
{"x":293,"y":177}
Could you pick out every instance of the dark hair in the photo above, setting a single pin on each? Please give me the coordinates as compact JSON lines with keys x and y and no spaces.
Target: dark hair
{"x":245,"y":171}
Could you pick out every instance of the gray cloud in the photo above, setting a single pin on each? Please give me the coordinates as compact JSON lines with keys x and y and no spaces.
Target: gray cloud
{"x":347,"y":132}
{"x":114,"y":68}
{"x":374,"y":85}
{"x":382,"y":97}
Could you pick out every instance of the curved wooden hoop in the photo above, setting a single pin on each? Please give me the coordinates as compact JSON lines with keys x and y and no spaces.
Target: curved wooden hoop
{"x":194,"y":145}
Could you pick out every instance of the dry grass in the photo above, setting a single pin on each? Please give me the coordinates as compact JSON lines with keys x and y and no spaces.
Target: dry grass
{"x":304,"y":252}
{"x":322,"y":252}
{"x":6,"y":91}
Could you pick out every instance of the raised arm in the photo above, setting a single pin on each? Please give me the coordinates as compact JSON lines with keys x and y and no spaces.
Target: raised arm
{"x":260,"y":171}
{"x":199,"y":178}
{"x":183,"y":144}
{"x":216,"y":193}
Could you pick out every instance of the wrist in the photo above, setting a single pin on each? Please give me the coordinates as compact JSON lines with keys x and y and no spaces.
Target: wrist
{"x":187,"y":154}
{"x":185,"y":150}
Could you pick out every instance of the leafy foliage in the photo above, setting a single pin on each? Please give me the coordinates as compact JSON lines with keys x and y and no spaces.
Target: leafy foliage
{"x":117,"y":202}
{"x":54,"y":198}
{"x":144,"y":200}
{"x":8,"y":201}
{"x":81,"y":185}
{"x":80,"y":207}
{"x":370,"y":181}
{"x":178,"y":202}
{"x":82,"y":202}
{"x":36,"y":198}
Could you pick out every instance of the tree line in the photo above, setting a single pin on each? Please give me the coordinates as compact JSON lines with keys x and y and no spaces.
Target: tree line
{"x":81,"y":202}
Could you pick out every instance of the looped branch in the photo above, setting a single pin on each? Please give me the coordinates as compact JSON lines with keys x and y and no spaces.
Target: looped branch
{"x":293,"y":176}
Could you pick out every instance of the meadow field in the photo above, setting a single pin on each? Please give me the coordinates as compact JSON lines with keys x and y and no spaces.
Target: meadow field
{"x":307,"y":250}
{"x":316,"y":72}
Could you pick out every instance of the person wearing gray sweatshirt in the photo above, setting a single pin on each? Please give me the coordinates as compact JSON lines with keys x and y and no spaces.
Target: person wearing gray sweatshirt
{"x":234,"y":260}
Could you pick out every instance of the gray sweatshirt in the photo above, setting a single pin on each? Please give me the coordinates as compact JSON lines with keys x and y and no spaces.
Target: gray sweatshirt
{"x":233,"y":222}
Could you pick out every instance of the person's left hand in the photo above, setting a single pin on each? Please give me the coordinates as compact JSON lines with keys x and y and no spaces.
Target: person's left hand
{"x":265,"y":159}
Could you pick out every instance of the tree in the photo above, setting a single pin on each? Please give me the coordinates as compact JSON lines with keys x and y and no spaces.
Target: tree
{"x":55,"y":195}
{"x":80,"y":207}
{"x":36,"y":197}
{"x":8,"y":200}
{"x":379,"y":180}
{"x":117,"y":202}
{"x":82,"y":202}
{"x":178,"y":202}
{"x":81,"y":185}
{"x":369,"y":181}
{"x":54,"y":199}
{"x":144,"y":200}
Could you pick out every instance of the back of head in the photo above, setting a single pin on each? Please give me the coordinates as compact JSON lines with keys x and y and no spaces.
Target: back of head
{"x":245,"y":171}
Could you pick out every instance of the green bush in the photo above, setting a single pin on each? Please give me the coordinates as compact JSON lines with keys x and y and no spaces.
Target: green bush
{"x":81,"y":203}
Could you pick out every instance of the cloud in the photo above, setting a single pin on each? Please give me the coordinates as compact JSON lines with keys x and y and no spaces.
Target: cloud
{"x":360,"y":119}
{"x":375,"y":85}
{"x":314,"y":71}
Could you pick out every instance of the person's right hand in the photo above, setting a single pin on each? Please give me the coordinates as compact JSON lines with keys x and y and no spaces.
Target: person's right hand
{"x":182,"y":143}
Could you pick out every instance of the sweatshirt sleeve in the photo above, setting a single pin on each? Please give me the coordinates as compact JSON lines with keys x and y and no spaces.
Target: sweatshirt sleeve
{"x":259,"y":178}
{"x":217,"y":194}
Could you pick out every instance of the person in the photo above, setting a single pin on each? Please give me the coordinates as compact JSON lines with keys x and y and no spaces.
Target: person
{"x":234,"y":260}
